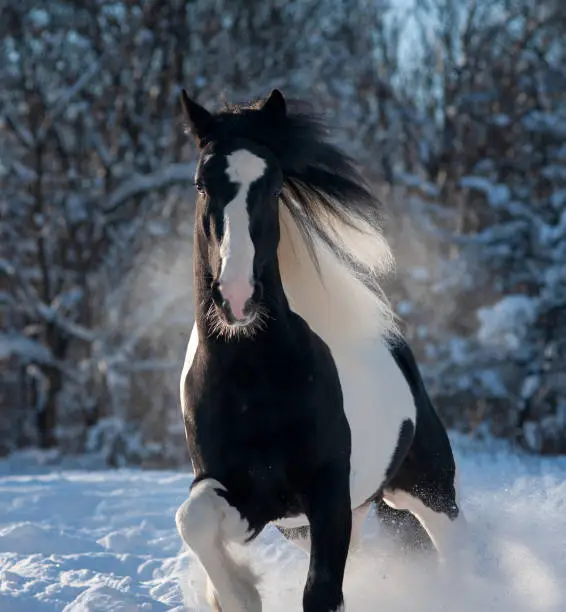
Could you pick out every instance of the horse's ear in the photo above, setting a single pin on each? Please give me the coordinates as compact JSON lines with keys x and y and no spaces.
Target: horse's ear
{"x":198,"y":121}
{"x":275,"y":105}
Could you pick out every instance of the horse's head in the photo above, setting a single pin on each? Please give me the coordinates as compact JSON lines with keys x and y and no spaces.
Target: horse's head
{"x":237,"y":217}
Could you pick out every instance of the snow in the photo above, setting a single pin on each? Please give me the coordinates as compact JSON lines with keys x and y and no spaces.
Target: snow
{"x":25,"y":348}
{"x":86,"y":540}
{"x":497,"y":194}
{"x":503,"y":324}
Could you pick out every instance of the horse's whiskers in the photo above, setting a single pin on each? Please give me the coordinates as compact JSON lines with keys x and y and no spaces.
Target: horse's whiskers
{"x":229,"y":331}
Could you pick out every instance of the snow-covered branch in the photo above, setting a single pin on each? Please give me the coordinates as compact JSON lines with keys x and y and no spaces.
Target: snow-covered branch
{"x":43,"y":311}
{"x":65,"y":98}
{"x":180,"y":173}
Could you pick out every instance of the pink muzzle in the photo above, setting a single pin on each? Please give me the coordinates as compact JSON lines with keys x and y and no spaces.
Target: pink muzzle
{"x":237,"y":294}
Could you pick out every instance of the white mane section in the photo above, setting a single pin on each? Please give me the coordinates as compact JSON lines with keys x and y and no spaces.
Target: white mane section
{"x":333,"y":301}
{"x":354,"y":322}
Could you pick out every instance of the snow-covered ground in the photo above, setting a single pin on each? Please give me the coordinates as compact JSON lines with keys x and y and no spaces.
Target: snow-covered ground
{"x":83,"y":540}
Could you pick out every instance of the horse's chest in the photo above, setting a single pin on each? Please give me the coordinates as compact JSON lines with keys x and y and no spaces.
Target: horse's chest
{"x":263,"y":454}
{"x":248,"y":421}
{"x":251,"y":426}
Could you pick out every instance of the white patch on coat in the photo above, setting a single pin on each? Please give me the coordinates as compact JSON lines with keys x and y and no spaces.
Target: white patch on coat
{"x":237,"y":249}
{"x":192,"y":347}
{"x":207,"y":524}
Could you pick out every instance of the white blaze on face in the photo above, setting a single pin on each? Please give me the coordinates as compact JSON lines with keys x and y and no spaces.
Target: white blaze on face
{"x":236,"y":248}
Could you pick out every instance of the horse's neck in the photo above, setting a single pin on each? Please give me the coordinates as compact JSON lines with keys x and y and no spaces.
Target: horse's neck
{"x":202,"y":293}
{"x":274,"y":299}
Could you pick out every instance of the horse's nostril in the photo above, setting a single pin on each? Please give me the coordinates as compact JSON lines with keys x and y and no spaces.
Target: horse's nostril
{"x":258,"y":289}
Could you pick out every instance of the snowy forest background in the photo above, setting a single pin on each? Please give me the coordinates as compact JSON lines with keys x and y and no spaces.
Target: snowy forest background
{"x":456,"y":109}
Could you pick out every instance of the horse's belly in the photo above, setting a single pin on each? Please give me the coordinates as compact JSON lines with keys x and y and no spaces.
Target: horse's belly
{"x":377,"y":401}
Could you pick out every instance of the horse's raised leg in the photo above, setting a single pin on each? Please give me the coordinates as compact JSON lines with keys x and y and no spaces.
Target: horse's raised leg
{"x":207,"y":523}
{"x":428,"y":488}
{"x":330,"y":517}
{"x":404,"y":528}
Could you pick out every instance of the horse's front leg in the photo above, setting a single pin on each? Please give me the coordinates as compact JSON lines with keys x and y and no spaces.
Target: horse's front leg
{"x":330,"y":517}
{"x":207,"y":523}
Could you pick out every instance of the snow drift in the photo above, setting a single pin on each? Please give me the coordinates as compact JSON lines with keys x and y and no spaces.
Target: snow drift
{"x":75,"y":540}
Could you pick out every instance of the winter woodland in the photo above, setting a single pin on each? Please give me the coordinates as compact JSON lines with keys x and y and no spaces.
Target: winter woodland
{"x":456,"y":110}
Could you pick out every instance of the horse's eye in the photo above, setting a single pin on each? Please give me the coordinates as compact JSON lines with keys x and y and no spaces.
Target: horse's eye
{"x":200,"y":187}
{"x":276,"y":192}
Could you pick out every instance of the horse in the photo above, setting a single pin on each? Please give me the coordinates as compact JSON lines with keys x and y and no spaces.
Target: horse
{"x":302,"y":402}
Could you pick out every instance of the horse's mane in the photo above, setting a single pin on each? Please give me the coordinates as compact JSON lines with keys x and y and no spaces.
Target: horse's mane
{"x":329,"y":204}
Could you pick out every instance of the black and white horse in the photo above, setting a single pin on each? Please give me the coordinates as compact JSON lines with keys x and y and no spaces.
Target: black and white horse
{"x":302,"y":405}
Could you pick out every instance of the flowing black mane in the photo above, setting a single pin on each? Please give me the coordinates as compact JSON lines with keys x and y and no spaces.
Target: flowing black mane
{"x":323,"y":187}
